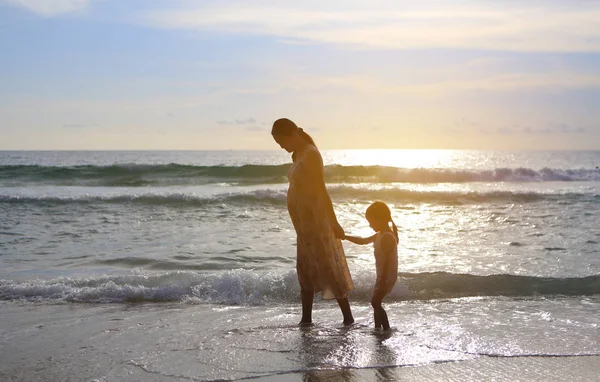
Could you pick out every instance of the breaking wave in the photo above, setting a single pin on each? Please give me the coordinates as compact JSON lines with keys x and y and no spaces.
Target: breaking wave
{"x":278,"y":197}
{"x":247,"y":287}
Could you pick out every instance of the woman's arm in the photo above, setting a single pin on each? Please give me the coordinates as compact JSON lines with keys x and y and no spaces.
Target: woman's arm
{"x":328,"y":204}
{"x":316,"y":182}
{"x":360,"y":240}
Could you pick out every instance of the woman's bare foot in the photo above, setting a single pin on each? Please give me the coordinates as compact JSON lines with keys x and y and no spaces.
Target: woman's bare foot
{"x":349,"y":321}
{"x":304,"y":324}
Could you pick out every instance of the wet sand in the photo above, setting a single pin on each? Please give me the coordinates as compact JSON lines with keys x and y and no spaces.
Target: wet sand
{"x":176,"y":342}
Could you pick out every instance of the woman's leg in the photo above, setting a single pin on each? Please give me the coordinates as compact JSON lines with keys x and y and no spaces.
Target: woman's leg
{"x":346,"y":311}
{"x":307,"y":303}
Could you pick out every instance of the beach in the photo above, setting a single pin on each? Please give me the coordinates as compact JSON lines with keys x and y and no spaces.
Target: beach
{"x":178,"y":177}
{"x":137,"y":266}
{"x":171,"y":342}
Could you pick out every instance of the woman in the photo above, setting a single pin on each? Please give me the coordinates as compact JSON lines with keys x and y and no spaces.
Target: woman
{"x":320,"y":262}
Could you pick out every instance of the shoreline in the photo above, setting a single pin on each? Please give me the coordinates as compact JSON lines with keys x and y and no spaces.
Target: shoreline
{"x":176,"y":342}
{"x":524,"y":368}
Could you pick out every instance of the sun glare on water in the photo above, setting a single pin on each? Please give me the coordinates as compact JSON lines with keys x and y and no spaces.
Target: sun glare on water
{"x":393,"y":158}
{"x":413,"y":217}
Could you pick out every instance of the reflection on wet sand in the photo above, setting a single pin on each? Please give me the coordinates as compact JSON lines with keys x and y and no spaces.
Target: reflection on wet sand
{"x":339,"y":354}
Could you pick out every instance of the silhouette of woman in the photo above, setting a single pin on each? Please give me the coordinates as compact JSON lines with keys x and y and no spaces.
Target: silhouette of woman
{"x":320,"y":263}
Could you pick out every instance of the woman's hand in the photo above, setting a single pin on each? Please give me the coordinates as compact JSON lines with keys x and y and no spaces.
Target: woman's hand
{"x":338,"y":231}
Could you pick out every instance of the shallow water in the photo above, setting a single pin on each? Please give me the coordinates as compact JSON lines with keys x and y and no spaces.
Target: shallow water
{"x":216,"y":342}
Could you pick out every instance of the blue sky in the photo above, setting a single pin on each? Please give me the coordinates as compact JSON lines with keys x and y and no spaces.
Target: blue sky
{"x":157,"y":74}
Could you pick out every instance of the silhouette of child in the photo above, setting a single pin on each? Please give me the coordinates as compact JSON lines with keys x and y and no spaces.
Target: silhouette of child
{"x":386,"y":257}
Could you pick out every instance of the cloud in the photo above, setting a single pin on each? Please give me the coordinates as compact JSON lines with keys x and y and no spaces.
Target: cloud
{"x":246,"y":121}
{"x":555,"y":128}
{"x":465,"y":127}
{"x":50,"y":7}
{"x":551,"y":26}
{"x":249,"y":124}
{"x":504,"y":131}
{"x":463,"y":82}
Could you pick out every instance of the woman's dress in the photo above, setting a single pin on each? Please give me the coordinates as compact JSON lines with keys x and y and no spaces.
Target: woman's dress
{"x":321,"y":263}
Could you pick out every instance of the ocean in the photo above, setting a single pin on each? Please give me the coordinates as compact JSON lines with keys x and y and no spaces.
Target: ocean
{"x":499,"y":253}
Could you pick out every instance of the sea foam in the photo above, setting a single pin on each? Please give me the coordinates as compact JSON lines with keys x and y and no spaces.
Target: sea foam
{"x":247,"y":287}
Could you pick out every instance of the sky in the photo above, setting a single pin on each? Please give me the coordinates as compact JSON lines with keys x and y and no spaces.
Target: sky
{"x":200,"y":75}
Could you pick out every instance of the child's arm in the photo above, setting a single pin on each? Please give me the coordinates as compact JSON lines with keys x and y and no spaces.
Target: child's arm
{"x":360,"y":240}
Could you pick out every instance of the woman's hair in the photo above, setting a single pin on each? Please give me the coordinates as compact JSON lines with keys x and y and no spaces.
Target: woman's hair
{"x":284,"y":126}
{"x":380,"y":211}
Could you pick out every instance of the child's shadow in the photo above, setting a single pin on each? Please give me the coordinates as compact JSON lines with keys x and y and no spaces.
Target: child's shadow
{"x":385,"y":358}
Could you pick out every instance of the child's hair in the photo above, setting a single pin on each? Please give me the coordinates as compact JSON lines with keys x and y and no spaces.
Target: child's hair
{"x":380,"y":210}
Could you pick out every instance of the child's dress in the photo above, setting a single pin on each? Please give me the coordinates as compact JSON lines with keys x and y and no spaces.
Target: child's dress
{"x":321,"y":263}
{"x":386,"y":279}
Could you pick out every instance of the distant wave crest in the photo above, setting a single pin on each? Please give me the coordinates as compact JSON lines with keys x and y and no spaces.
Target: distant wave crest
{"x":136,"y":175}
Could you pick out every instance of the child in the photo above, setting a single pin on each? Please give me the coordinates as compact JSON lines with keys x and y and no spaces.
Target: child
{"x":386,"y":257}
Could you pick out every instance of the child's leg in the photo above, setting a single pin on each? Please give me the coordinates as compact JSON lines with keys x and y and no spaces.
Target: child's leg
{"x":381,"y":318}
{"x":377,"y":309}
{"x":384,"y":319}
{"x":377,"y":317}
